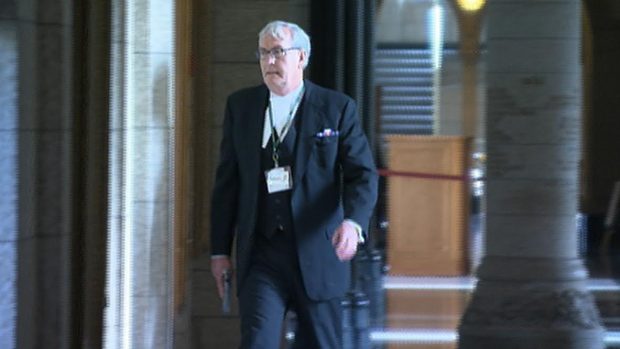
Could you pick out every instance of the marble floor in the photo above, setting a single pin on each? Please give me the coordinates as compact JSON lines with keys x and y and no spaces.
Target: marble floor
{"x":423,"y":313}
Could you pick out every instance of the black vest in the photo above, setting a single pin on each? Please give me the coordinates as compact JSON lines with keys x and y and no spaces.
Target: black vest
{"x":274,"y":210}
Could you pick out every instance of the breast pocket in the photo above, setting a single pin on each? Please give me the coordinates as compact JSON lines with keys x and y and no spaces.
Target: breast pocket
{"x":325,"y":150}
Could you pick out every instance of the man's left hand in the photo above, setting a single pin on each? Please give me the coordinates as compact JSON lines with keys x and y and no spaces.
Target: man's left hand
{"x":345,"y":241}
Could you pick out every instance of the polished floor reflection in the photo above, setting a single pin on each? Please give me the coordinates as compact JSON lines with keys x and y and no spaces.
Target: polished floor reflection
{"x":423,"y":313}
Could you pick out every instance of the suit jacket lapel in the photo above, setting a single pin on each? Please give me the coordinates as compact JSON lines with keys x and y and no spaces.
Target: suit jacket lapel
{"x":252,"y":129}
{"x":310,"y":121}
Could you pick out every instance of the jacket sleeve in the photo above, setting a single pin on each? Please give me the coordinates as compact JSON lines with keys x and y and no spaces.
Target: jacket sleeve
{"x":359,"y":173}
{"x":225,"y":191}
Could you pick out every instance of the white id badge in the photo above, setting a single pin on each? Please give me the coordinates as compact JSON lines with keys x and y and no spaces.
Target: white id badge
{"x":279,"y":179}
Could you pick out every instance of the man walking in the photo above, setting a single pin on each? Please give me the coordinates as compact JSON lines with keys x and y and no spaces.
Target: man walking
{"x":295,"y":185}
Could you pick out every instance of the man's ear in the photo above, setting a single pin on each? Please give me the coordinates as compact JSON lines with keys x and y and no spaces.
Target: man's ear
{"x":302,"y":58}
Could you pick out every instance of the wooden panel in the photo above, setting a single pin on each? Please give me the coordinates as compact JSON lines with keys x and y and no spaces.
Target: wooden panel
{"x":428,"y":217}
{"x":181,"y":152}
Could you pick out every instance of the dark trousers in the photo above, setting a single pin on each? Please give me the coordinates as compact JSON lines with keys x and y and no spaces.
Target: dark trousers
{"x":272,"y":287}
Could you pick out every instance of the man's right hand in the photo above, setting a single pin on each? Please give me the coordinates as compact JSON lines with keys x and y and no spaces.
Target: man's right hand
{"x":219,"y":265}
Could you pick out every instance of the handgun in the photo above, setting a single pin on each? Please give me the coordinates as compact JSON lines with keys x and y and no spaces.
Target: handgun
{"x":227,"y":290}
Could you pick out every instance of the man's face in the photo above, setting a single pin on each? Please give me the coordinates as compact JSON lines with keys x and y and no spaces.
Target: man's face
{"x":281,"y":75}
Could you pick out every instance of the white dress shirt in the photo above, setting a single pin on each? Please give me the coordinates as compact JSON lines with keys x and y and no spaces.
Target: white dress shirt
{"x":283,"y":108}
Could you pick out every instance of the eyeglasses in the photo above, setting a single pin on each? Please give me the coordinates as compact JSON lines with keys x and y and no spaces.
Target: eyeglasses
{"x":276,"y":53}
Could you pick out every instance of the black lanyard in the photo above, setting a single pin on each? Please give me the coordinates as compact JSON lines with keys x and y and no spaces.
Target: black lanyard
{"x":275,"y":139}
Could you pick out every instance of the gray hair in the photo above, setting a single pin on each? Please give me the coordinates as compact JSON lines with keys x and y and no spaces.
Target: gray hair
{"x":299,"y":37}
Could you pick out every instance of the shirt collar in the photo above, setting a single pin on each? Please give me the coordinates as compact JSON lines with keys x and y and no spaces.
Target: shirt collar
{"x":290,"y":97}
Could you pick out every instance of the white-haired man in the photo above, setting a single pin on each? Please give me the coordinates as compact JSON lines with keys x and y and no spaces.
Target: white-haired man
{"x":295,"y":185}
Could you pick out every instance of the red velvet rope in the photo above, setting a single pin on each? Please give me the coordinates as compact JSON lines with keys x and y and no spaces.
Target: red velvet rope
{"x":389,"y":173}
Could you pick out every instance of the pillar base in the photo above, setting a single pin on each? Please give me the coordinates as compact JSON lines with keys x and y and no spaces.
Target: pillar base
{"x":515,"y":339}
{"x":516,"y":306}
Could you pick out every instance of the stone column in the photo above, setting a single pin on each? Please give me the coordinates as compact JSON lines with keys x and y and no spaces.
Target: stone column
{"x":8,"y":175}
{"x":44,"y":133}
{"x":141,"y":205}
{"x":532,"y":284}
{"x":469,"y":24}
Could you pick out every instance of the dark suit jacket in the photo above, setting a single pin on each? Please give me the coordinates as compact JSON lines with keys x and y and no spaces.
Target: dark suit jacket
{"x":333,"y":178}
